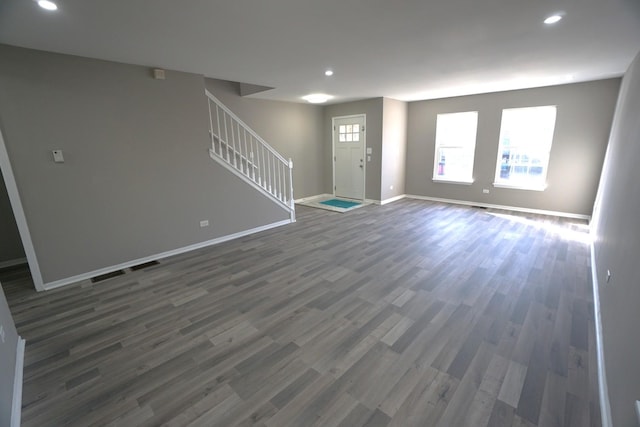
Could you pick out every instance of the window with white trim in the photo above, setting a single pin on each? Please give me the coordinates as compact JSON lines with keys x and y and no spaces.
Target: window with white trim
{"x":455,"y":147}
{"x":526,"y":135}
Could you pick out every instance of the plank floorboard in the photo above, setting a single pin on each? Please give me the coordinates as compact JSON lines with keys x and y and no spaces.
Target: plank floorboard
{"x":409,"y":314}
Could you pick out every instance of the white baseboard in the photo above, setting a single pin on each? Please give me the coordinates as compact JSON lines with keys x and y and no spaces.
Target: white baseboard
{"x":603,"y":389}
{"x":13,"y":262}
{"x":310,"y":198}
{"x":506,"y":208}
{"x":385,"y":201}
{"x":393,"y":199}
{"x":16,"y":405}
{"x":99,"y":272}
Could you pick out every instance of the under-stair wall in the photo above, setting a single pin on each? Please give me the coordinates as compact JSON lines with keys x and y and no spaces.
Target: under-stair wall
{"x":137,"y":177}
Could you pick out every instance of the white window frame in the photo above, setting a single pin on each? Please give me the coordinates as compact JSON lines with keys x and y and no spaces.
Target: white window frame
{"x":524,"y":184}
{"x":439,"y":144}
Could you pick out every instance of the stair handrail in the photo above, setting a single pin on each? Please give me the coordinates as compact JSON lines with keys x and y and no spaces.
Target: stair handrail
{"x":245,"y":126}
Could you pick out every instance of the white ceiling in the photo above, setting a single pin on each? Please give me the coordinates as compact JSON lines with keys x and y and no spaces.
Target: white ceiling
{"x":403,"y":49}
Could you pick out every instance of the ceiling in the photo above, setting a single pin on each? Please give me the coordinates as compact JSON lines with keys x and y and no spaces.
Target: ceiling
{"x":403,"y":49}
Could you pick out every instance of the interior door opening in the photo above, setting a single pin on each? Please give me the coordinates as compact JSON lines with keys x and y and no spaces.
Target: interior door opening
{"x":12,"y":252}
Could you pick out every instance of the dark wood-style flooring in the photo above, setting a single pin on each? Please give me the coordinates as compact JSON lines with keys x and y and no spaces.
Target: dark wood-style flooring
{"x":408,"y":314}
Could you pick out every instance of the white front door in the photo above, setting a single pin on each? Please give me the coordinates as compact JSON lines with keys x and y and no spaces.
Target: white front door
{"x":349,"y":157}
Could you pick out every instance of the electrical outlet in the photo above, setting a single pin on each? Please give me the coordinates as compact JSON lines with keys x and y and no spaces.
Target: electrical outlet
{"x":391,"y":187}
{"x":485,"y":190}
{"x":204,"y":223}
{"x":608,"y":276}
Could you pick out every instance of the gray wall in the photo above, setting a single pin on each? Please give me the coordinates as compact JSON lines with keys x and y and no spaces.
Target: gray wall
{"x":8,"y":358}
{"x":137,"y":178}
{"x":616,"y":228}
{"x":394,"y":147}
{"x":373,"y":109}
{"x":294,"y":130}
{"x":10,"y":243}
{"x":585,"y":111}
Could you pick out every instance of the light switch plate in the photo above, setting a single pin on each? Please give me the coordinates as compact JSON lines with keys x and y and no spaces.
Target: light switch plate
{"x":369,"y":150}
{"x":57,"y":156}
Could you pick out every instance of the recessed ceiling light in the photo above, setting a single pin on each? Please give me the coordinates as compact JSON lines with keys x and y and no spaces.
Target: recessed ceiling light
{"x":317,"y":98}
{"x":46,"y":4}
{"x":553,"y":19}
{"x":328,"y":73}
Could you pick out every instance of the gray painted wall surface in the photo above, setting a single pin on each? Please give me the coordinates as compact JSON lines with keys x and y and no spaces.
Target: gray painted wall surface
{"x":616,"y":228}
{"x":137,"y":178}
{"x":8,"y":359}
{"x":10,"y":243}
{"x":584,"y":115}
{"x":394,"y":147}
{"x":373,"y":110}
{"x":294,"y":130}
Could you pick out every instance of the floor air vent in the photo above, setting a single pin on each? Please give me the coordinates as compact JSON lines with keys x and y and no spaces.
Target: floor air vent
{"x":145,"y":265}
{"x":107,"y":276}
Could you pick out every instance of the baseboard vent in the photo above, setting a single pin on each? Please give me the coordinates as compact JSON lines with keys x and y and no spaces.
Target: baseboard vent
{"x":144,"y":265}
{"x":103,"y":277}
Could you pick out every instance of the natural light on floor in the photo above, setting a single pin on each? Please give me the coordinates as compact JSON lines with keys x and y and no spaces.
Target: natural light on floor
{"x":576,"y":232}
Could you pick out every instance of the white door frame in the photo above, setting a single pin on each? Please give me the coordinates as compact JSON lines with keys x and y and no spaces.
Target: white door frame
{"x":364,"y":152}
{"x":18,"y":213}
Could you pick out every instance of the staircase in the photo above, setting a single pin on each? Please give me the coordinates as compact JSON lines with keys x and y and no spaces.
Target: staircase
{"x":239,"y":149}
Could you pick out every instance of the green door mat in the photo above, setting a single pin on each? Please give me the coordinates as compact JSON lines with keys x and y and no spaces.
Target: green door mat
{"x":340,"y":203}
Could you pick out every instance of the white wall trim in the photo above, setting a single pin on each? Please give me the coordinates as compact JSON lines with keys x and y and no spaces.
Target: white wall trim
{"x":603,"y":389}
{"x":16,"y":404}
{"x":90,"y":274}
{"x":520,"y":187}
{"x":310,"y":198}
{"x":12,"y":262}
{"x":507,"y":208}
{"x":449,"y":181}
{"x":372,"y":202}
{"x":392,"y":199}
{"x":18,"y":213}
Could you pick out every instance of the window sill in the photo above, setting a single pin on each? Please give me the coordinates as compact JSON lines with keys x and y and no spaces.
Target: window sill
{"x":450,"y":181}
{"x":521,"y":187}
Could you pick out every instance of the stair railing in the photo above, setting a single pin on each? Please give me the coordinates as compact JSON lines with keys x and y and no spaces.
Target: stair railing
{"x":241,"y":150}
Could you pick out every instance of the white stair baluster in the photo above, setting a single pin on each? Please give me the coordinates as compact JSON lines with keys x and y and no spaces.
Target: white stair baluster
{"x":249,"y":156}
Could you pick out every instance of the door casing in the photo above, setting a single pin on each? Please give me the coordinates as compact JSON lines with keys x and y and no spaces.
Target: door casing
{"x":364,"y":151}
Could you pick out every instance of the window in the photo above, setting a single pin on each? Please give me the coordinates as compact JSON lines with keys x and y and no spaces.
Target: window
{"x":455,"y":147}
{"x":526,"y":135}
{"x":349,"y":133}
